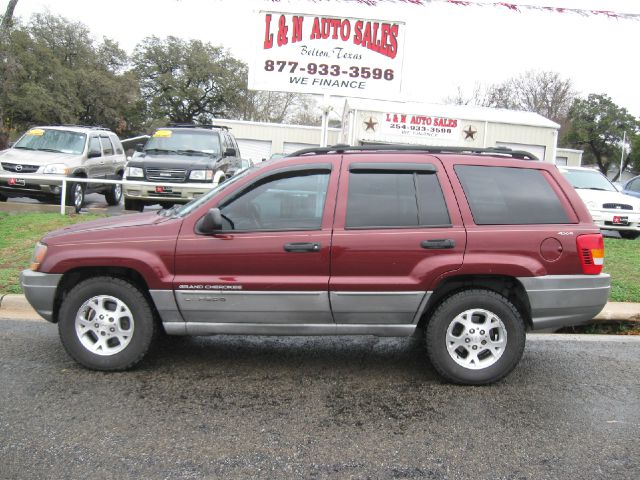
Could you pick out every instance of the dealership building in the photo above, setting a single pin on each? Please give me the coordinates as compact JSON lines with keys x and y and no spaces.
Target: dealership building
{"x":370,"y":122}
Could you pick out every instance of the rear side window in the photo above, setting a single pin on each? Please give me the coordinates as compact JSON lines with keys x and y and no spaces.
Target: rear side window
{"x":386,"y":199}
{"x":107,"y":148}
{"x":510,"y":196}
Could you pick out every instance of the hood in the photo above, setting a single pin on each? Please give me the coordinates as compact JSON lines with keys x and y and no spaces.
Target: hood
{"x":123,"y":226}
{"x":36,"y":157}
{"x":189,"y":162}
{"x":595,"y":199}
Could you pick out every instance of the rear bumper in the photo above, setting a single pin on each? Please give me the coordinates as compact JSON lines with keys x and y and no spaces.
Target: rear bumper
{"x":40,"y":290}
{"x":564,"y":300}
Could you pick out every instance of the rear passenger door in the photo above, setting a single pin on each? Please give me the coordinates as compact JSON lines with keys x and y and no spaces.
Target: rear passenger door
{"x":397,"y":230}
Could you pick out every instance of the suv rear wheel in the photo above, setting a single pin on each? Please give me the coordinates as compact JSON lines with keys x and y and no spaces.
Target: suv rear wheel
{"x":114,"y":194}
{"x":106,"y":323}
{"x":475,"y":337}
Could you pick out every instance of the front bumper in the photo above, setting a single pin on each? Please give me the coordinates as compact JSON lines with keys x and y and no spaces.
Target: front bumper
{"x":27,"y":187}
{"x":152,"y":192}
{"x":564,"y":300}
{"x":606,"y":219}
{"x":40,"y":290}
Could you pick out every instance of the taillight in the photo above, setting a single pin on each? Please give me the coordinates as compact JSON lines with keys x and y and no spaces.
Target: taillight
{"x":591,"y":252}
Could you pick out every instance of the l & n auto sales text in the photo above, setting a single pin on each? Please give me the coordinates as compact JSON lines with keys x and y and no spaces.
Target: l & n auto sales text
{"x":376,"y":36}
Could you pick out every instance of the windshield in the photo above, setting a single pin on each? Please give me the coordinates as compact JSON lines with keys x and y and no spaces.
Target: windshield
{"x":587,"y":179}
{"x":184,"y":142}
{"x":61,"y":141}
{"x":194,"y":204}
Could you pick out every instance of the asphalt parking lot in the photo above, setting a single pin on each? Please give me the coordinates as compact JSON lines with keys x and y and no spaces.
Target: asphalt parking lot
{"x":353,"y":407}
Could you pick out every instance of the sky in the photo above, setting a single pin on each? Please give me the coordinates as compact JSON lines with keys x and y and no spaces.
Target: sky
{"x":446,"y":46}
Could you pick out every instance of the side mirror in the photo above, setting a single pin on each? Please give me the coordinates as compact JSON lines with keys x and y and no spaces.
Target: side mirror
{"x":211,"y":222}
{"x":230,"y":152}
{"x":94,"y":154}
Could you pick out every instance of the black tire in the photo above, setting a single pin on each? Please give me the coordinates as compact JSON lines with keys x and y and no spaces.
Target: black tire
{"x":464,"y":365}
{"x":75,"y":196}
{"x":133,"y":205}
{"x":120,"y":350}
{"x":628,"y":234}
{"x":114,"y":195}
{"x":3,"y":198}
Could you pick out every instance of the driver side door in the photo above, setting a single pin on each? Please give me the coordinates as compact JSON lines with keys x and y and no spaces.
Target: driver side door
{"x":270,"y":263}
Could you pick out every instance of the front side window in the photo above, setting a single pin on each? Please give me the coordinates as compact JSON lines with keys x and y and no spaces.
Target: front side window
{"x":292,"y":202}
{"x":50,"y":140}
{"x":510,"y":196}
{"x":395,"y":199}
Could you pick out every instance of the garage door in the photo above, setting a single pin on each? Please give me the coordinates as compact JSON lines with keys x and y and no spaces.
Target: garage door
{"x":290,"y":147}
{"x":256,"y":150}
{"x":537,"y":150}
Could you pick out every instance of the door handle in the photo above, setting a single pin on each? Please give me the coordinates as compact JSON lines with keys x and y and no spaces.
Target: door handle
{"x":301,"y":247}
{"x":438,"y":244}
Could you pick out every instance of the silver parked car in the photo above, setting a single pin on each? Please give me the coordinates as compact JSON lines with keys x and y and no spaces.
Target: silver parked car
{"x":71,"y":151}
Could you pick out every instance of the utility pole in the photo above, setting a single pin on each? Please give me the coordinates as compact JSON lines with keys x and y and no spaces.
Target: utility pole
{"x":624,"y":141}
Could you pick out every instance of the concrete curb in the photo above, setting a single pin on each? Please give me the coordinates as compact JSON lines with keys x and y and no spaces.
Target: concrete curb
{"x":16,"y":306}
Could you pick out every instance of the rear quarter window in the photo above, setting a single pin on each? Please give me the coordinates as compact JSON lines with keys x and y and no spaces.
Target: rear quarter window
{"x":510,"y":196}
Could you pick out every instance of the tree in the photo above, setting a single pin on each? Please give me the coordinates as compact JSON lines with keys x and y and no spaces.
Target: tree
{"x":52,"y":72}
{"x":7,"y":18}
{"x":542,"y":92}
{"x":598,"y":125}
{"x":189,"y":81}
{"x":477,"y":97}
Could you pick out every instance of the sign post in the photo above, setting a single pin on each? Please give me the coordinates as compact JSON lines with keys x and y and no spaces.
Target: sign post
{"x":330,"y":56}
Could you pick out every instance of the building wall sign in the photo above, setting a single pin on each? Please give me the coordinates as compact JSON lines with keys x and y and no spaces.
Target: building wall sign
{"x":352,"y":57}
{"x":419,"y":126}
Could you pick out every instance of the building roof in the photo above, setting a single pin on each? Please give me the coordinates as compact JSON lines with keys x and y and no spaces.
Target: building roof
{"x":466,"y":112}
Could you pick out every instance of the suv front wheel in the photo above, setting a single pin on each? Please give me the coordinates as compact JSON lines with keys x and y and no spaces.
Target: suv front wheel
{"x":475,"y":337}
{"x":106,"y":323}
{"x":114,"y":194}
{"x":75,"y":196}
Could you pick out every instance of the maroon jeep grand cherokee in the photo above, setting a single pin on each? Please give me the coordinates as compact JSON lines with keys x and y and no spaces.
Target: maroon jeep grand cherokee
{"x":473,"y":247}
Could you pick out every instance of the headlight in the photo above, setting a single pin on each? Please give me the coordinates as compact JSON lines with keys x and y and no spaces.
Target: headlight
{"x":56,"y":169}
{"x":201,"y":175}
{"x":37,"y":258}
{"x":134,"y":172}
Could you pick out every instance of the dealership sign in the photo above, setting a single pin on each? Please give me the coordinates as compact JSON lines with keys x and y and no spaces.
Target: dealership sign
{"x":351,"y":57}
{"x":419,"y":126}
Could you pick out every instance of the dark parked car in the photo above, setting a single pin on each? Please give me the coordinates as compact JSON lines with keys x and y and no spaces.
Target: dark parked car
{"x":383,"y":240}
{"x":179,"y":163}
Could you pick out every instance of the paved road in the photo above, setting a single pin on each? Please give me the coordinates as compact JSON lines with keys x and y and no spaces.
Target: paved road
{"x":239,"y":407}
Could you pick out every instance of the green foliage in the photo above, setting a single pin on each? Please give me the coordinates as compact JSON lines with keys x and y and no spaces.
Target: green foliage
{"x":52,"y":72}
{"x":597,"y":126}
{"x":187,"y":81}
{"x":622,"y":262}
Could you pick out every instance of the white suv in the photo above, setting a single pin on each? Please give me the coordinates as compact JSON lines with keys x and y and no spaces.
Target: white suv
{"x":70,"y":150}
{"x":610,"y":209}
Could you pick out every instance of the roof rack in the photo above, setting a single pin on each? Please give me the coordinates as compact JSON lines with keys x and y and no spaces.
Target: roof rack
{"x":92,"y":127}
{"x":519,"y":154}
{"x":197,"y":125}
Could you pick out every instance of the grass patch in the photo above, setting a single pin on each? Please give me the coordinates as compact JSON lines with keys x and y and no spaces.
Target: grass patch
{"x":18,"y":235}
{"x":622,"y":262}
{"x":20,"y":232}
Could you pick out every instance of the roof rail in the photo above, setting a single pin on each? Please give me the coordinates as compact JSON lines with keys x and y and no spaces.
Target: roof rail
{"x":197,"y":125}
{"x":519,"y":154}
{"x":92,"y":127}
